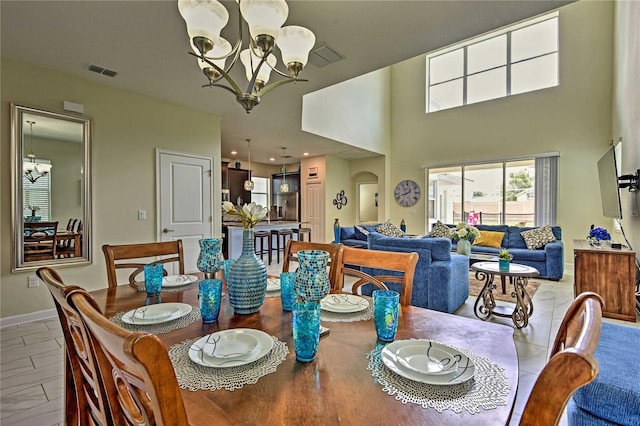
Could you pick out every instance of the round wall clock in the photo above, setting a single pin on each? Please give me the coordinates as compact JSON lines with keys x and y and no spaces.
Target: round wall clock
{"x":407,"y":193}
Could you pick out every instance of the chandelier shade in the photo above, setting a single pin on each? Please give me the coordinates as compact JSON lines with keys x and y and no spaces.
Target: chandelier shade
{"x":205,"y":19}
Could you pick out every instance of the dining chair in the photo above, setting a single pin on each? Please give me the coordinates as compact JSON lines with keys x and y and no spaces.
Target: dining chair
{"x":143,"y":388}
{"x":571,"y":363}
{"x":294,"y":246}
{"x":113,"y":254}
{"x":40,"y":240}
{"x":376,"y":261}
{"x":85,"y":402}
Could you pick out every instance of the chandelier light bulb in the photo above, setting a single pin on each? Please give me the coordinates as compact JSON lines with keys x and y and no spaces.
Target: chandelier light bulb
{"x":295,"y":43}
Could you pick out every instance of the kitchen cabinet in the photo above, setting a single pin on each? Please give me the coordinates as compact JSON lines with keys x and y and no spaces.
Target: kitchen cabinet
{"x":236,"y":178}
{"x":609,"y":272}
{"x":293,"y":179}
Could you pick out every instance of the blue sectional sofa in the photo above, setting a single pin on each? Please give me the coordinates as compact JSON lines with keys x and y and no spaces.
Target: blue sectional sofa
{"x":350,"y":236}
{"x":613,"y":398}
{"x":441,"y":279}
{"x":549,"y":260}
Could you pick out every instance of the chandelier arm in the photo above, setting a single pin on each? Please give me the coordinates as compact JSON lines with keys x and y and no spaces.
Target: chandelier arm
{"x":272,"y":86}
{"x":234,"y":85}
{"x":254,"y":76}
{"x":220,"y":86}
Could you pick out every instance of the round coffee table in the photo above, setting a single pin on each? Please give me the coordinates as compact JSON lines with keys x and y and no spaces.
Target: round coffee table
{"x":519,"y":275}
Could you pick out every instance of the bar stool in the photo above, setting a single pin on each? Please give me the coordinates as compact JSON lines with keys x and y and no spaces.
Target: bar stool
{"x":281,"y":236}
{"x":301,"y":232}
{"x":259,"y":236}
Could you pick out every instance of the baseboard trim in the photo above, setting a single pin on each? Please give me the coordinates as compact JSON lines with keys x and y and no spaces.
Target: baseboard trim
{"x":26,"y":318}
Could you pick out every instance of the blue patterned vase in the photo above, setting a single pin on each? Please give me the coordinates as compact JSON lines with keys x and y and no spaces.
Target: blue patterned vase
{"x":312,"y":279}
{"x":247,"y":278}
{"x":211,"y":259}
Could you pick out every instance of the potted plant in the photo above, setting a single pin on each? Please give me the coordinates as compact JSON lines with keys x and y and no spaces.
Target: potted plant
{"x":504,"y":258}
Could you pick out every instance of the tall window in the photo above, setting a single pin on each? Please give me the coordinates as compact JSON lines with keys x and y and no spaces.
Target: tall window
{"x":260,"y":193}
{"x":37,"y":194}
{"x":500,"y":192}
{"x":518,"y":59}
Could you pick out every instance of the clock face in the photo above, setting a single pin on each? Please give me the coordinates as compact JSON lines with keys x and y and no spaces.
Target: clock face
{"x":407,"y":193}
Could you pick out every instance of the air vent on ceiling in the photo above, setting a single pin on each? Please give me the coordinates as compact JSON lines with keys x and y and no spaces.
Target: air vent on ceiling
{"x":103,"y":71}
{"x":323,"y":55}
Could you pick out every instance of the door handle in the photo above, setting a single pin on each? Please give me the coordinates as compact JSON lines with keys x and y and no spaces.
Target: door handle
{"x":166,"y":230}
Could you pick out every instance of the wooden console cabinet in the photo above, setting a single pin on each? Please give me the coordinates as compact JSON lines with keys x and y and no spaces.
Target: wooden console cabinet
{"x":609,"y":272}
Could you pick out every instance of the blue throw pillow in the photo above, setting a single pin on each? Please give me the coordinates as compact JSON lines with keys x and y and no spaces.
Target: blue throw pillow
{"x":361,"y":233}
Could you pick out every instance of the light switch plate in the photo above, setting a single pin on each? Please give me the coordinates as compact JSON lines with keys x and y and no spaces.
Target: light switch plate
{"x":33,"y":281}
{"x":142,"y":215}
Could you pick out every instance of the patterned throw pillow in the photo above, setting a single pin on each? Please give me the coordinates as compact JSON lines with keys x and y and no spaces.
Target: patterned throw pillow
{"x":489,"y":239}
{"x":440,"y":230}
{"x":538,"y":237}
{"x":361,"y":233}
{"x":390,"y":230}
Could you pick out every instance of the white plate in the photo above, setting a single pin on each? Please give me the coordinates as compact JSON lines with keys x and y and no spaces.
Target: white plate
{"x":427,"y":360}
{"x":157,"y":312}
{"x":273,"y":284}
{"x":344,"y":303}
{"x":230,"y":344}
{"x":178,"y":280}
{"x":265,"y":343}
{"x":464,"y":372}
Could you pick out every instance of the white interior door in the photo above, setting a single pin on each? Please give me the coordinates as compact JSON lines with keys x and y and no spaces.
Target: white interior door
{"x":313,"y":208}
{"x":184,"y":183}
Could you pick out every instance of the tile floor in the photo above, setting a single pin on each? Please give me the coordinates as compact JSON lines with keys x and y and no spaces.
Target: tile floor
{"x":31,"y":358}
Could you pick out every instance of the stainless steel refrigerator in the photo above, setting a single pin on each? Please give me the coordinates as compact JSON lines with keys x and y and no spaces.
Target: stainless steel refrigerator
{"x":286,"y":206}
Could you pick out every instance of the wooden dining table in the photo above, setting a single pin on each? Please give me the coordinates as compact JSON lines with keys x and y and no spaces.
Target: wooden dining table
{"x":336,"y":388}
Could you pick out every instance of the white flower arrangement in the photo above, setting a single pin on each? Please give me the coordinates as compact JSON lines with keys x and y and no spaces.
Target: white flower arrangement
{"x":250,"y":214}
{"x":465,"y":232}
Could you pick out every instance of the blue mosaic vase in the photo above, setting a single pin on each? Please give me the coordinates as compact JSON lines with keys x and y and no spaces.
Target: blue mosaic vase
{"x":247,"y":284}
{"x":210,"y":259}
{"x":312,"y":279}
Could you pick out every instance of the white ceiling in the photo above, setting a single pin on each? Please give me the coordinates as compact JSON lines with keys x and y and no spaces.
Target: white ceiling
{"x":147,"y":44}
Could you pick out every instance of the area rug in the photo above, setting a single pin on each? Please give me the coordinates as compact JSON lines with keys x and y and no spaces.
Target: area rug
{"x":475,"y":287}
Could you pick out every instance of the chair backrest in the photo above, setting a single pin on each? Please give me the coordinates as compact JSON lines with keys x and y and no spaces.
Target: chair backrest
{"x":571,"y":363}
{"x":71,"y":224}
{"x":113,"y":254}
{"x":377,"y":259}
{"x":144,"y":389}
{"x":40,"y":240}
{"x":294,"y":246}
{"x":85,"y":401}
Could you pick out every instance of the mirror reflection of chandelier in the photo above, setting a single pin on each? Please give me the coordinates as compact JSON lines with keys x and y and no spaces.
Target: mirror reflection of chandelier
{"x":206,"y":18}
{"x":32,"y":167}
{"x":284,"y":186}
{"x":248,"y":184}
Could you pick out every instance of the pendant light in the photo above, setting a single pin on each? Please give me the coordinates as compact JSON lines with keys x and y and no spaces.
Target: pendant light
{"x":248,"y":184}
{"x":284,"y":186}
{"x":30,"y":167}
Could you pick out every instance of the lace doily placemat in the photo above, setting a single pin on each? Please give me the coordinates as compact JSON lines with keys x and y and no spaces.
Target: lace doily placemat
{"x":179,"y":288}
{"x":486,"y":390}
{"x":195,"y":377}
{"x":364,"y":315}
{"x":165,"y":327}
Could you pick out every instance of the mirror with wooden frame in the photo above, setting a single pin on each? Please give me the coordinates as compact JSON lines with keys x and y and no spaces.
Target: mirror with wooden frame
{"x":51,"y":181}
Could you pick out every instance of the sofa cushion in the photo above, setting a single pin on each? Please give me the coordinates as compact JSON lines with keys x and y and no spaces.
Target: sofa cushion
{"x":354,"y":242}
{"x":614,"y":395}
{"x":489,"y":239}
{"x":440,"y":230}
{"x":538,"y":237}
{"x":347,"y":233}
{"x":361,"y":233}
{"x":390,"y":230}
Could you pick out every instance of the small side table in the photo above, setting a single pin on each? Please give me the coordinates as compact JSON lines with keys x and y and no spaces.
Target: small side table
{"x":519,"y":275}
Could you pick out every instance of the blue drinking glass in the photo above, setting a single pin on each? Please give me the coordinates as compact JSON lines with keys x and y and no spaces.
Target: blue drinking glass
{"x":210,"y":295}
{"x":385,"y":314}
{"x":306,"y":330}
{"x":287,"y":293}
{"x":153,"y":278}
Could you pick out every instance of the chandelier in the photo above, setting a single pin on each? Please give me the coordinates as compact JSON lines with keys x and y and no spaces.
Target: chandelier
{"x":30,"y":167}
{"x":284,"y":186}
{"x":206,"y":18}
{"x":248,"y":184}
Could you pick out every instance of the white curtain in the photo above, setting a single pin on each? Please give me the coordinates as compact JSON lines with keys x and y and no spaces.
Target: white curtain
{"x":546,"y":190}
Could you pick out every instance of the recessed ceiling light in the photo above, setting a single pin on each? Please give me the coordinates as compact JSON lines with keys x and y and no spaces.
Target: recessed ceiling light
{"x":305,"y":153}
{"x":234,"y":152}
{"x":272,"y":159}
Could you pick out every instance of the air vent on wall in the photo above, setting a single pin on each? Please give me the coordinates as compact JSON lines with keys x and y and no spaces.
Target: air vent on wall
{"x":323,"y":55}
{"x":103,"y":71}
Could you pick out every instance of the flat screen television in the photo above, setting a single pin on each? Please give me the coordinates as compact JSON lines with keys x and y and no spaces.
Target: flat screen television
{"x":609,"y":190}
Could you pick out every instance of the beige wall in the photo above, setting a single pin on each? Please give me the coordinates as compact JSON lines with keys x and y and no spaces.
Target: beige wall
{"x":573,"y":119}
{"x":127,"y":128}
{"x":626,"y":109}
{"x":338,"y":179}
